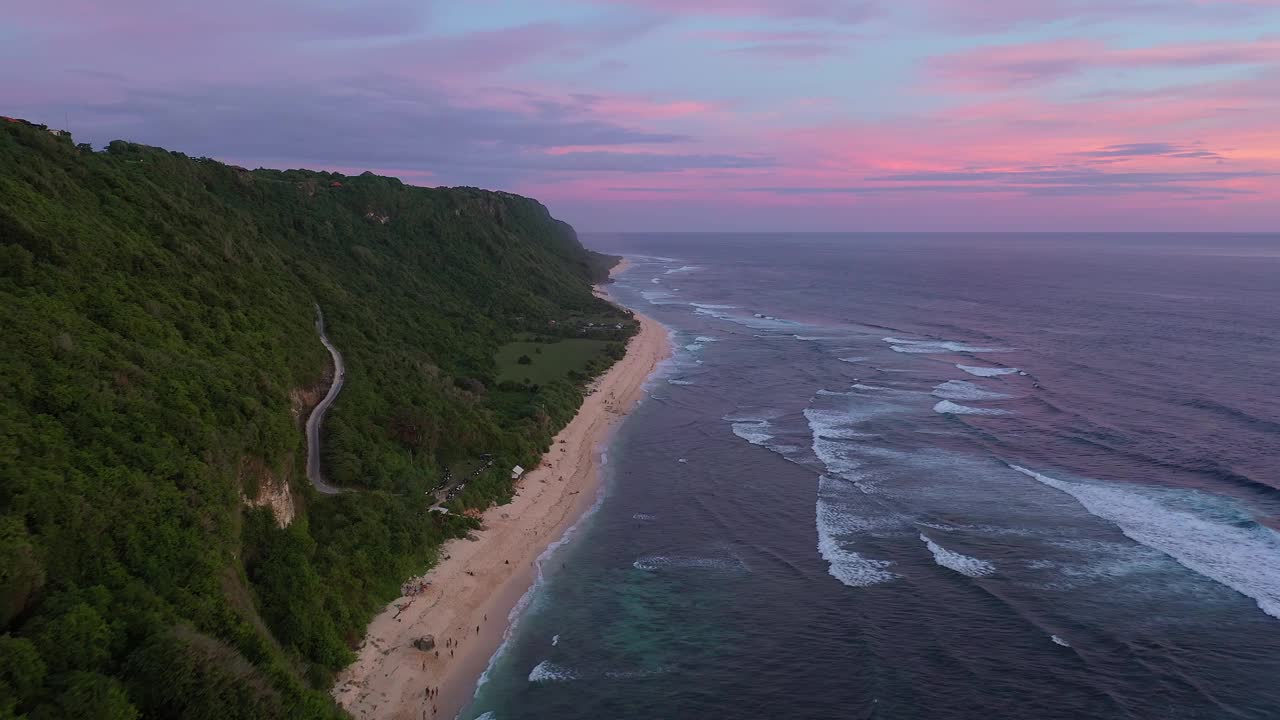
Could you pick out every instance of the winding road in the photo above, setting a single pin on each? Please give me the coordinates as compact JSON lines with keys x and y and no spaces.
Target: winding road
{"x":317,"y":415}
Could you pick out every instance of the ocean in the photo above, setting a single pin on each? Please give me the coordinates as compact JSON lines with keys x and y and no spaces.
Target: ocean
{"x":928,"y":476}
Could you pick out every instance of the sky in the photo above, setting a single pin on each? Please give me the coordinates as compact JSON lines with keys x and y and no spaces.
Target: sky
{"x":701,"y":115}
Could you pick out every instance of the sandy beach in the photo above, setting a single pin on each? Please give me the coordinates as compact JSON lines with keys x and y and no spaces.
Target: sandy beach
{"x":478,"y":582}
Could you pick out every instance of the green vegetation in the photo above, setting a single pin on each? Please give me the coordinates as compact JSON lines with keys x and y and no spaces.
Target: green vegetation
{"x":555,"y":360}
{"x":158,"y":327}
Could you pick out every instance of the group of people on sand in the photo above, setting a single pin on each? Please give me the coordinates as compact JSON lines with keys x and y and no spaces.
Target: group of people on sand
{"x":434,"y":692}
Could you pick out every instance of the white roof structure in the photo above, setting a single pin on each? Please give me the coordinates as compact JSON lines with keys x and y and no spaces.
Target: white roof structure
{"x":516,"y":472}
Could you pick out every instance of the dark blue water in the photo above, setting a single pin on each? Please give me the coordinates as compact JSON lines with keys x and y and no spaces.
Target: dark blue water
{"x":929,"y":477}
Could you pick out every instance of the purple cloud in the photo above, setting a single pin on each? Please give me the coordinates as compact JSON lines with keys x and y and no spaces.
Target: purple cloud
{"x":1004,"y":15}
{"x":1151,"y":149}
{"x":838,"y":11}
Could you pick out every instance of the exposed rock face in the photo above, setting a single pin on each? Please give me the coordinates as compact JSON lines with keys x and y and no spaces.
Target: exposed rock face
{"x":273,"y":491}
{"x":301,"y":400}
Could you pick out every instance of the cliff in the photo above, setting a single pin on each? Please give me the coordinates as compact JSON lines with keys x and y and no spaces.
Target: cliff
{"x":161,"y":553}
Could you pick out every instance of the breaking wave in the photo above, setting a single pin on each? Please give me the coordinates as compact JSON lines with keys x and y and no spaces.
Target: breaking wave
{"x":965,"y":390}
{"x":963,"y":564}
{"x":926,"y":347}
{"x":755,"y":432}
{"x":847,"y":566}
{"x":1233,"y":550}
{"x":946,"y":407}
{"x":547,"y":671}
{"x":987,"y":371}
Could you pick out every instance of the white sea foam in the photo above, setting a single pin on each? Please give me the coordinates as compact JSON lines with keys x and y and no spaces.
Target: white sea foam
{"x":651,"y":563}
{"x":718,"y":314}
{"x":709,"y":306}
{"x":699,"y":343}
{"x":832,"y":393}
{"x":655,"y":281}
{"x":861,"y":386}
{"x":987,"y":371}
{"x":963,"y":564}
{"x":755,"y":432}
{"x":488,"y":715}
{"x":555,"y":640}
{"x":657,"y":297}
{"x":927,"y":347}
{"x":845,"y":565}
{"x":1059,"y":641}
{"x":1234,"y":551}
{"x":547,"y":671}
{"x":678,"y":381}
{"x":683,"y":269}
{"x":853,"y":359}
{"x":965,"y":390}
{"x":643,"y":516}
{"x":946,"y":407}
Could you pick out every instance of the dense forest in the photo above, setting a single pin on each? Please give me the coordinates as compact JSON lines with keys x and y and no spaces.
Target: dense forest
{"x":159,"y":356}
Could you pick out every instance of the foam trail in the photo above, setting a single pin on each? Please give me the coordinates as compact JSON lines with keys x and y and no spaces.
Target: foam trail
{"x":965,"y":390}
{"x":1240,"y":554}
{"x":927,"y":347}
{"x":555,"y":640}
{"x":844,"y":565}
{"x":963,"y":564}
{"x":683,"y":269}
{"x":547,"y":671}
{"x":946,"y":407}
{"x":650,"y":563}
{"x":755,"y":432}
{"x":987,"y":371}
{"x":489,"y":715}
{"x":1059,"y":641}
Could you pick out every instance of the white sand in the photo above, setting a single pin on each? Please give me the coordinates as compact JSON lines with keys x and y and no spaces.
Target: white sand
{"x":482,"y":580}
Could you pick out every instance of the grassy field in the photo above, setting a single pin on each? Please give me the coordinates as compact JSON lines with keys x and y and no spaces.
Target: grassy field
{"x":550,"y":360}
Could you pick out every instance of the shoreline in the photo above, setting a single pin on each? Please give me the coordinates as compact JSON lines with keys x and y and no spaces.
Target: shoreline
{"x":479,"y":583}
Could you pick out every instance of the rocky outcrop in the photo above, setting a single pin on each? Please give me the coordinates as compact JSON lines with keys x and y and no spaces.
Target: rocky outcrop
{"x":267,"y":489}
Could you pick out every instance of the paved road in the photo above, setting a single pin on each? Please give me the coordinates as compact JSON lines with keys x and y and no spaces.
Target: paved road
{"x":317,"y":415}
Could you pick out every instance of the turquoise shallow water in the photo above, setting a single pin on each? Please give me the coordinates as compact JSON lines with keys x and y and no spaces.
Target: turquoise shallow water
{"x":929,"y":477}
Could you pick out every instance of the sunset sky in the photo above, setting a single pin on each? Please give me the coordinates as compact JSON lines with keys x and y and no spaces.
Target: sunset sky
{"x":702,"y":114}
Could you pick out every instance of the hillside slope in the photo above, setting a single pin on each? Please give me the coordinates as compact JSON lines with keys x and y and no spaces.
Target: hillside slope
{"x":159,"y":357}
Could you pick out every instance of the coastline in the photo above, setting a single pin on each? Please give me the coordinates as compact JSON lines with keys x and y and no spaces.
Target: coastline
{"x":478,"y":583}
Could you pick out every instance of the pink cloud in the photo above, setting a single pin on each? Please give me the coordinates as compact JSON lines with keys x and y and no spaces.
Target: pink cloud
{"x":1003,"y":15}
{"x":1011,"y":66}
